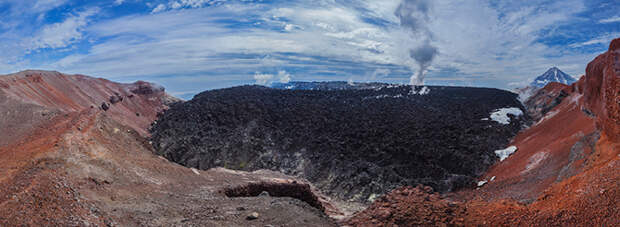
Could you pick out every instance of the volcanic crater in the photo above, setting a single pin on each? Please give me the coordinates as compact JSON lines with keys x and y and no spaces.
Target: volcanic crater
{"x":353,"y":144}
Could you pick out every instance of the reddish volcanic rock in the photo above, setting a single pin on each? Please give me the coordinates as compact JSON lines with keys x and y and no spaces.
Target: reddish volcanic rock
{"x":544,"y":152}
{"x":563,"y":142}
{"x":545,"y":99}
{"x":602,"y":89}
{"x":409,"y":206}
{"x":564,"y":173}
{"x":135,"y":104}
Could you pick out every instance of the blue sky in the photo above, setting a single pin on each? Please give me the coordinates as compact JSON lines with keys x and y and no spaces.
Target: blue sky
{"x":194,"y":45}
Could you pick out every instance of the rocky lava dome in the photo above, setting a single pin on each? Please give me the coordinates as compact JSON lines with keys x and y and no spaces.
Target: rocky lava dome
{"x":353,"y":144}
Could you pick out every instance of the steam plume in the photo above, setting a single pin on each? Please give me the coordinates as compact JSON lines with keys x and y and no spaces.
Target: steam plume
{"x":424,"y":56}
{"x":414,"y":16}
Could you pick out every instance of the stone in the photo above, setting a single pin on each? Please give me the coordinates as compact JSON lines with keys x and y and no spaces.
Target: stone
{"x":105,"y":106}
{"x":252,"y":216}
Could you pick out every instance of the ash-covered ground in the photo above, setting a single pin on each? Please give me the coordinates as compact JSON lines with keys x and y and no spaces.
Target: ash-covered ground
{"x":354,"y":144}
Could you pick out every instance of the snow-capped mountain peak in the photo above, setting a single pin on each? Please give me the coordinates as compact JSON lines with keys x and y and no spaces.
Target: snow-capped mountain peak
{"x":552,"y":75}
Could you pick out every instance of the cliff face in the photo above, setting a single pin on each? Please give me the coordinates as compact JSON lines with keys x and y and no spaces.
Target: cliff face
{"x":601,"y":90}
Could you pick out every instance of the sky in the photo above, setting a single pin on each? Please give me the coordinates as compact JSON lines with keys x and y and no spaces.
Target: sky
{"x":189,"y":46}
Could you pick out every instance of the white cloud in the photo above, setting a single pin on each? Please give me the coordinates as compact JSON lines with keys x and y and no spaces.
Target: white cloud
{"x":159,"y":8}
{"x":500,"y":42}
{"x":62,"y":34}
{"x":289,"y":27}
{"x":45,"y":5}
{"x":262,"y":79}
{"x":266,"y":78}
{"x":118,"y":2}
{"x":284,"y":76}
{"x":178,"y":4}
{"x":601,"y":40}
{"x":610,"y":20}
{"x":484,"y":44}
{"x":185,"y":42}
{"x":591,"y":42}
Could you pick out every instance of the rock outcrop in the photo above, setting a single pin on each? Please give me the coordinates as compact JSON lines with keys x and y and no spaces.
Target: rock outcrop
{"x":601,"y":90}
{"x":545,"y":99}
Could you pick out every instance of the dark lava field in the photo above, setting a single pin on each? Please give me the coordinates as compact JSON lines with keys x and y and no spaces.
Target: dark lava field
{"x":354,"y":144}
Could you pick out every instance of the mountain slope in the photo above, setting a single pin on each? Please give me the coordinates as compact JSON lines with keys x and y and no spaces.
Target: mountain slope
{"x":552,"y":75}
{"x":134,"y":104}
{"x":74,"y":163}
{"x":564,"y":173}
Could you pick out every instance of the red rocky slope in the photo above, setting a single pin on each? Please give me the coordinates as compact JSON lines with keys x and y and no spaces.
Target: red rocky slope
{"x":68,"y":160}
{"x":565,"y":171}
{"x":134,"y":104}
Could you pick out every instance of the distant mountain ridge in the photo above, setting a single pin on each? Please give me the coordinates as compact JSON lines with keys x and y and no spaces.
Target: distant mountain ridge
{"x":552,"y":75}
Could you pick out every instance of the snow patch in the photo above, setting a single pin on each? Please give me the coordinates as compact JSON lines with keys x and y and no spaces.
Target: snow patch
{"x":483,"y":182}
{"x":547,"y":116}
{"x":503,"y":154}
{"x":501,"y":115}
{"x":525,"y":93}
{"x":395,"y":85}
{"x":195,"y":171}
{"x":372,"y":197}
{"x":350,"y":82}
{"x":423,"y":91}
{"x":385,"y":96}
{"x":575,"y":98}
